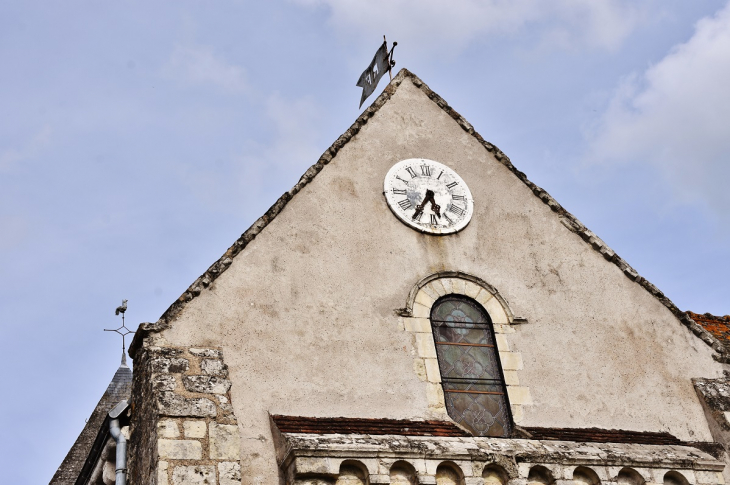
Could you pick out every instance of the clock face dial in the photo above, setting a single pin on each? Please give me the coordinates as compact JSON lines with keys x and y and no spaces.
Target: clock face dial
{"x":428,"y":196}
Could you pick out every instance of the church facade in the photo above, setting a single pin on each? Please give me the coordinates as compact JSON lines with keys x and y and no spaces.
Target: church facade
{"x":416,"y":311}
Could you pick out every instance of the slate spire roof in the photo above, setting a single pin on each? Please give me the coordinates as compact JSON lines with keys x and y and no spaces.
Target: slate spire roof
{"x":119,"y":388}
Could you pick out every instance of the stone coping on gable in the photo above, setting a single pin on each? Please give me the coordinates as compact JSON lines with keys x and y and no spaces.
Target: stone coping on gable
{"x":567,"y":219}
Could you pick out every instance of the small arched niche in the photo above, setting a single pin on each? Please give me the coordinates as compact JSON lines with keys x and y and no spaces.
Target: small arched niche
{"x":449,"y":474}
{"x":494,"y":475}
{"x":585,"y":476}
{"x":539,"y":475}
{"x":629,"y":476}
{"x":402,"y":473}
{"x":675,"y":478}
{"x":352,"y":473}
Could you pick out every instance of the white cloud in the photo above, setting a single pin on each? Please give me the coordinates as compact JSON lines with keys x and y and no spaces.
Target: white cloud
{"x":676,"y":116}
{"x":453,"y":25}
{"x":200,"y":66}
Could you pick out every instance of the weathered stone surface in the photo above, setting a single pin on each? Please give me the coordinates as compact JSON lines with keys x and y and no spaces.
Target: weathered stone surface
{"x":169,"y":365}
{"x":168,"y":428}
{"x":224,"y":442}
{"x":195,"y":429}
{"x":217,"y":354}
{"x":171,"y":404}
{"x":163,"y":382}
{"x":194,"y":475}
{"x":229,"y":473}
{"x":180,"y":449}
{"x":207,"y":384}
{"x":214,"y":367}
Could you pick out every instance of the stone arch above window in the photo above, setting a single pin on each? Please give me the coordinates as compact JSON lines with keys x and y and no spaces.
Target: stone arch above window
{"x":415,"y":318}
{"x":352,"y":473}
{"x":585,"y":476}
{"x":539,"y":475}
{"x":629,"y":476}
{"x":471,"y":373}
{"x":675,"y":478}
{"x":494,"y":474}
{"x":402,"y":473}
{"x":449,"y":474}
{"x":433,"y":286}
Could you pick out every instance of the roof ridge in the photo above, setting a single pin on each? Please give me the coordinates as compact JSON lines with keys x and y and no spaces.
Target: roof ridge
{"x":566,"y":218}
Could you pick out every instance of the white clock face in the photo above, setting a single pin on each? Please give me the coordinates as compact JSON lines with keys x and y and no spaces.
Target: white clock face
{"x":428,"y":196}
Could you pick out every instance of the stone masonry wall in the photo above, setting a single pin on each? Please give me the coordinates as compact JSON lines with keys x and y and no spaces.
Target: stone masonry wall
{"x":183,"y":427}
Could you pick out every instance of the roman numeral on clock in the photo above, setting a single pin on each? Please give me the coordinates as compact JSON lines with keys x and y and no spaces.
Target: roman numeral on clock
{"x":405,"y":204}
{"x":452,"y":185}
{"x":457,"y":210}
{"x":458,"y":197}
{"x":399,"y":191}
{"x":426,"y":170}
{"x":411,"y":172}
{"x":433,"y":219}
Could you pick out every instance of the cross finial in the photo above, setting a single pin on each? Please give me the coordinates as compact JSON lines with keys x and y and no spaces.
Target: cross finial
{"x":123,"y":330}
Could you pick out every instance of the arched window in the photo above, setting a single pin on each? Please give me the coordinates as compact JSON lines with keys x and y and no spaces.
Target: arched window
{"x":471,"y":374}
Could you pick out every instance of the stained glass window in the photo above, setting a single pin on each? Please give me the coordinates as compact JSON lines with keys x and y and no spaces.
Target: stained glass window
{"x":471,"y":374}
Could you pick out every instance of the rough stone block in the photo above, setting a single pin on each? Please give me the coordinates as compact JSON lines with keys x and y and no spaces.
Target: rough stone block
{"x":180,"y":449}
{"x":216,"y":354}
{"x":170,"y":404}
{"x":214,"y":367}
{"x":207,"y":384}
{"x":194,"y":475}
{"x":195,"y":429}
{"x":224,"y":442}
{"x":519,"y":395}
{"x":164,"y":365}
{"x":511,"y":360}
{"x":168,"y":428}
{"x":229,"y":473}
{"x":162,"y":473}
{"x":163,"y":382}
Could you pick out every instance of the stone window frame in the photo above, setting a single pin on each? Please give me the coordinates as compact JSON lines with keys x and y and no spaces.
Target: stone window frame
{"x":416,"y":319}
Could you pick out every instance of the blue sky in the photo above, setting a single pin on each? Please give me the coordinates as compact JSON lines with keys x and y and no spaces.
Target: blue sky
{"x":140,"y":139}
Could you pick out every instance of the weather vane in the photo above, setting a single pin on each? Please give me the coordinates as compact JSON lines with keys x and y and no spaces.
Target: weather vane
{"x":123,"y":330}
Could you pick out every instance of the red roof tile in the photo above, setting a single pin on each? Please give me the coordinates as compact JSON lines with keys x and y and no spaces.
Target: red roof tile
{"x":719,"y":327}
{"x":295,"y":424}
{"x":597,"y":435}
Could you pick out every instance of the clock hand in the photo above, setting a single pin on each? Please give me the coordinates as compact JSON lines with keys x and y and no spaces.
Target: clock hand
{"x":434,"y":206}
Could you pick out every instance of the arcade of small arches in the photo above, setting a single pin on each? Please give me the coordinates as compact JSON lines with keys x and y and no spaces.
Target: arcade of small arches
{"x":353,"y":472}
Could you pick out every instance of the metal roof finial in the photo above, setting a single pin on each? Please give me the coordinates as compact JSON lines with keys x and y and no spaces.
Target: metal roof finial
{"x":123,"y":330}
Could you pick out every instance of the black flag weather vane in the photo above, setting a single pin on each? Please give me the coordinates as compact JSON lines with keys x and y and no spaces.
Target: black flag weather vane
{"x":382,"y":62}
